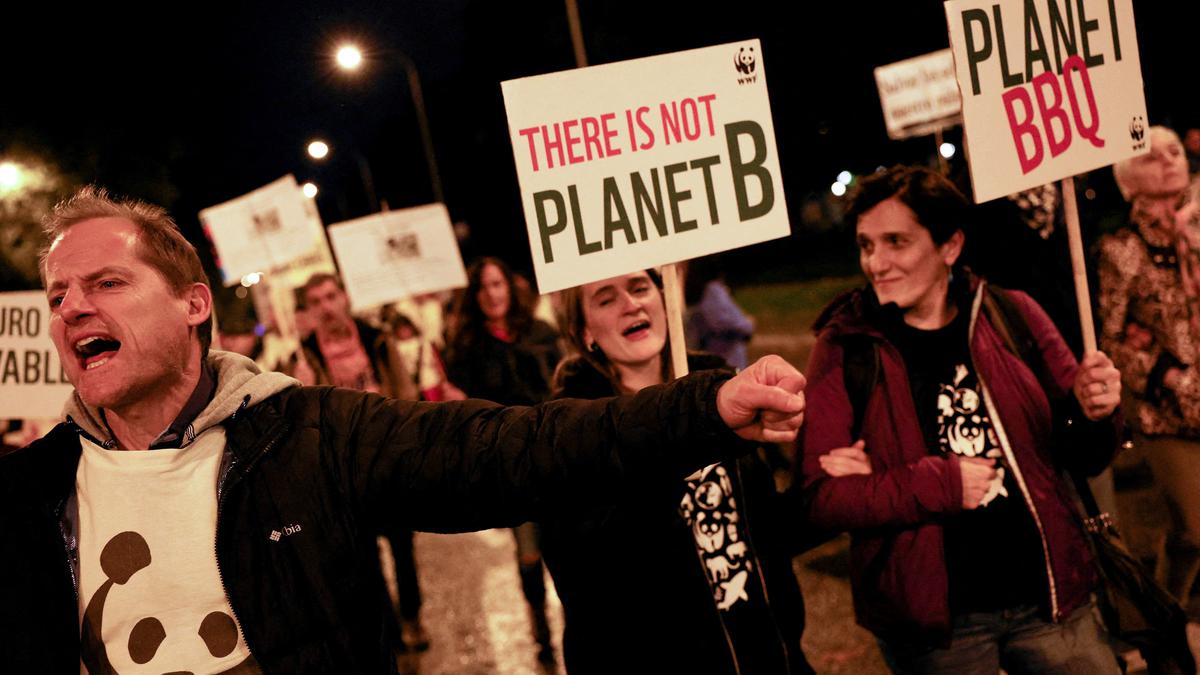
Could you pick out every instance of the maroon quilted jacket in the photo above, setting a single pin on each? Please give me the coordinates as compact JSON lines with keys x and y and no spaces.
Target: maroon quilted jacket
{"x":894,"y":514}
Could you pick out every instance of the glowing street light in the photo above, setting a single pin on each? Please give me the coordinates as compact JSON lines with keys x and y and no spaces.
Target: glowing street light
{"x":838,"y":189}
{"x":349,"y":57}
{"x":845,"y":177}
{"x":947,"y":150}
{"x":11,"y":177}
{"x":318,"y":149}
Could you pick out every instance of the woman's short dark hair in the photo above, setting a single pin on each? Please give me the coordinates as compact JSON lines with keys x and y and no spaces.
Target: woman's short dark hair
{"x":937,"y":203}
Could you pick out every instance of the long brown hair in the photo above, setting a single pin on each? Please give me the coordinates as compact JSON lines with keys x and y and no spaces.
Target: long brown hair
{"x":468,"y":325}
{"x":573,"y":324}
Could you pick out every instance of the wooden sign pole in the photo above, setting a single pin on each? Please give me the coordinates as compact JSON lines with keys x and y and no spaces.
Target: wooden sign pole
{"x":673,"y":294}
{"x":1079,"y":269}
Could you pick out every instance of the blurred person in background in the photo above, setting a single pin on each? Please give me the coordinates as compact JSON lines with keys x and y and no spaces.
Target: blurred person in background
{"x":344,"y":351}
{"x":714,"y":323}
{"x":419,"y":357}
{"x":497,"y":350}
{"x":1149,"y":310}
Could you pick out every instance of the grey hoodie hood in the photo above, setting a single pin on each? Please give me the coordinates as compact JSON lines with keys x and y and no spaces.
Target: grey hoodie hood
{"x":239,"y":383}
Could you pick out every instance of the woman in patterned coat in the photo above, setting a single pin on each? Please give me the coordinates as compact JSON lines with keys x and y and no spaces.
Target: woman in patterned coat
{"x":1150,"y":310}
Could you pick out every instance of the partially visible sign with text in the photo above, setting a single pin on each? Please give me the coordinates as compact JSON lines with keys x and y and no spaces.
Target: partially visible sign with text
{"x":919,"y":95}
{"x":1050,"y":89}
{"x":32,"y":383}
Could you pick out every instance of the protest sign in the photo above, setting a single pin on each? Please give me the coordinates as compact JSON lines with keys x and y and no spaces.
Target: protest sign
{"x":264,"y":230}
{"x":32,"y":383}
{"x":641,"y":163}
{"x":1050,"y":89}
{"x":919,"y":95}
{"x":394,"y":255}
{"x":317,"y":258}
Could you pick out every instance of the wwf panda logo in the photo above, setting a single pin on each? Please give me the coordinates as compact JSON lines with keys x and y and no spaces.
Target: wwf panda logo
{"x":122,"y":558}
{"x":1137,"y":128}
{"x":744,"y":60}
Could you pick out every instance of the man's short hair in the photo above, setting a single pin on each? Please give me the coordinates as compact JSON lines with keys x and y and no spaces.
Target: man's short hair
{"x":938,"y":205}
{"x":318,"y":279}
{"x":160,"y":243}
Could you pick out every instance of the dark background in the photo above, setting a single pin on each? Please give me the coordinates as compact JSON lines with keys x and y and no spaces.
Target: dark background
{"x":191,"y":105}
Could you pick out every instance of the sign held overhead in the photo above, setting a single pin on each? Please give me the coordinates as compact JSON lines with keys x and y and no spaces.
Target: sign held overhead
{"x":268,"y":229}
{"x":641,"y":163}
{"x":919,"y":95}
{"x":395,"y":255}
{"x":1050,"y":89}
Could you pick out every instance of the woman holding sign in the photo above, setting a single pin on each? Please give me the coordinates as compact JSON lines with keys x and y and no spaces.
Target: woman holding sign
{"x":693,"y":576}
{"x":967,"y":555}
{"x":1150,"y":311}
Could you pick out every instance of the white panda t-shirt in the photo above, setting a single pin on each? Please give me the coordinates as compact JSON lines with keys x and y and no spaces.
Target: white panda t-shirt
{"x":150,"y":594}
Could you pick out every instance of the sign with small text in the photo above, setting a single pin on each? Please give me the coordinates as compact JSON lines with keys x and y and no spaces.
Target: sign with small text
{"x":265,"y":230}
{"x":919,"y":95}
{"x":394,"y":255}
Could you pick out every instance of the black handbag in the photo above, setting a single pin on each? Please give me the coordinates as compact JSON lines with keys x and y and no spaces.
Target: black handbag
{"x":1135,"y":608}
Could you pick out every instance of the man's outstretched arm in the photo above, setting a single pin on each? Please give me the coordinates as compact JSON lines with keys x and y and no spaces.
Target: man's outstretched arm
{"x":472,"y":465}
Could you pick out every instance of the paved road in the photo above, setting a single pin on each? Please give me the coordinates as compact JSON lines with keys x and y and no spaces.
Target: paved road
{"x":474,"y":612}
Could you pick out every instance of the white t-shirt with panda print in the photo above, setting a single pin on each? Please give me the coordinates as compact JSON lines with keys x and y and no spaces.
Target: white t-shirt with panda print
{"x":150,"y":594}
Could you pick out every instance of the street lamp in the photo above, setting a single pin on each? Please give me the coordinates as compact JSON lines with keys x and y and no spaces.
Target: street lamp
{"x":349,"y":57}
{"x":11,"y":177}
{"x":418,"y":100}
{"x":310,"y":189}
{"x":318,"y":149}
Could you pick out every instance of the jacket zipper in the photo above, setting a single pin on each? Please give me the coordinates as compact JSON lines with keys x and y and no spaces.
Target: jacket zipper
{"x":70,"y":552}
{"x":758,"y":568}
{"x":1011,"y":457}
{"x":221,"y":484}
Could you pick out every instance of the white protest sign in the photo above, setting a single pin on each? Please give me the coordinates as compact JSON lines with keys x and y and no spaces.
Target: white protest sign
{"x":1050,"y":89}
{"x":32,"y":383}
{"x":318,"y":257}
{"x":630,"y":165}
{"x":919,"y":95}
{"x":264,"y":229}
{"x":397,"y":254}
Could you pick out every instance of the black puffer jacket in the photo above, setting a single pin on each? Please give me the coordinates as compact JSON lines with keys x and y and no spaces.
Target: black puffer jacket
{"x":635,"y":594}
{"x":339,"y":463}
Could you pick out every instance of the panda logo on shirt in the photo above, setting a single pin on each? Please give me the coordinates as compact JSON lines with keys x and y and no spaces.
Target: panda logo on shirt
{"x":122,"y":558}
{"x":964,"y":429}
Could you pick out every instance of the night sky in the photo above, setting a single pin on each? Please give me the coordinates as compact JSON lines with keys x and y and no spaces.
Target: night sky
{"x":190,"y":105}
